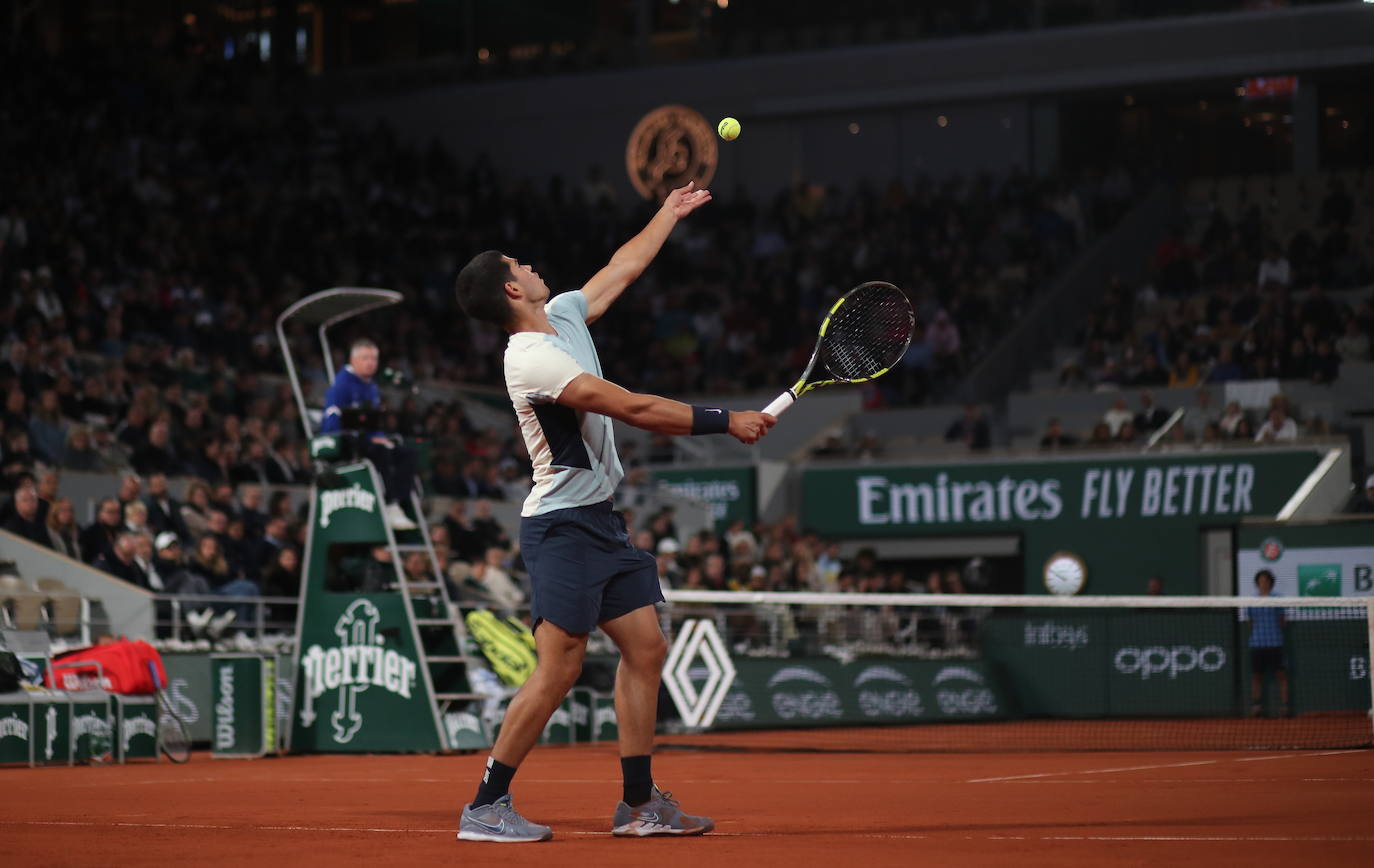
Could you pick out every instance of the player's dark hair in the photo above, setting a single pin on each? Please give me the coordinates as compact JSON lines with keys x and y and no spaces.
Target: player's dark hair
{"x":481,"y":288}
{"x":1264,"y":573}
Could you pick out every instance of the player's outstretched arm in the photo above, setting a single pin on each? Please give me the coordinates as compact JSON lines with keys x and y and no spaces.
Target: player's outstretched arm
{"x":634,"y":256}
{"x":661,"y":415}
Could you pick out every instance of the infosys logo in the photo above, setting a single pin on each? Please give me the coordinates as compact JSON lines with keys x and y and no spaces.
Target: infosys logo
{"x":885,"y":692}
{"x":1159,"y":660}
{"x":965,"y":693}
{"x":815,"y":699}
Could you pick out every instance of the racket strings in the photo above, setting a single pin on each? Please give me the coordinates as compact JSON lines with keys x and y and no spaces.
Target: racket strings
{"x":869,"y":332}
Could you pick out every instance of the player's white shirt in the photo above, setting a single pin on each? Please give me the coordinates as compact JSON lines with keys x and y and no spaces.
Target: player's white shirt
{"x":574,"y":457}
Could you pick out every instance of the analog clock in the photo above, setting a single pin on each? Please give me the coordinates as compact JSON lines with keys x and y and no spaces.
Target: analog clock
{"x":1065,"y":574}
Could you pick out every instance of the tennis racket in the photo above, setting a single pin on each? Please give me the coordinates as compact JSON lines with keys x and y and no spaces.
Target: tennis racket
{"x":173,"y":736}
{"x":862,"y":337}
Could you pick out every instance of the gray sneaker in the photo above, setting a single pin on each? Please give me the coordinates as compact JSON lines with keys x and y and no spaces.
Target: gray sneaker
{"x":658,"y":816}
{"x":500,"y":823}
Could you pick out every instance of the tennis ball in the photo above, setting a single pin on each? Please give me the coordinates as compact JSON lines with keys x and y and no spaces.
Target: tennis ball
{"x":728,"y":129}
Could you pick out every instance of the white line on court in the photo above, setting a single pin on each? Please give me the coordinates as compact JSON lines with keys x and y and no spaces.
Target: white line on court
{"x":1090,"y":771}
{"x":1011,"y":778}
{"x":716,"y":834}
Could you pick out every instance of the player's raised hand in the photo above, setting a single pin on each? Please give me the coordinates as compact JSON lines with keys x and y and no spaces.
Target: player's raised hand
{"x":747,"y":426}
{"x":685,"y":200}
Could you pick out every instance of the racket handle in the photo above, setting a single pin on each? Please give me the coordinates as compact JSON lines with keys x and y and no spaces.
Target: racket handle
{"x":780,"y":403}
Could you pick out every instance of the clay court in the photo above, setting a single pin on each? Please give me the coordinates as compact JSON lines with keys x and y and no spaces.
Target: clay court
{"x":1136,"y":808}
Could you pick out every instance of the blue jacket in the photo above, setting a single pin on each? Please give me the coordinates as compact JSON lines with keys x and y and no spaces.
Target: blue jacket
{"x":349,"y":390}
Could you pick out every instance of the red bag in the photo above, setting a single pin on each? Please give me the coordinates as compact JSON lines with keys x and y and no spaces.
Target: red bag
{"x":123,"y":668}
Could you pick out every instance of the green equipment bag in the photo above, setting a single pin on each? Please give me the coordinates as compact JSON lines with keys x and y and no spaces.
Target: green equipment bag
{"x":507,"y":644}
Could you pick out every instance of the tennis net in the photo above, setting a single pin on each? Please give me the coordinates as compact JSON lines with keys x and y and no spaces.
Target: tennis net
{"x":928,"y":672}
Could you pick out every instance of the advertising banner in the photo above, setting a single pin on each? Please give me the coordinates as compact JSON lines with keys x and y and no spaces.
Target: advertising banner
{"x":1308,"y":560}
{"x":358,"y":682}
{"x":242,"y":706}
{"x":729,"y":490}
{"x":1127,"y":518}
{"x":818,"y":691}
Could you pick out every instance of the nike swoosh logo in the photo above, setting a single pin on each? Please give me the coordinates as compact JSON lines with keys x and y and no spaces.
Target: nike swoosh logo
{"x":497,"y":829}
{"x":712,"y":410}
{"x":648,"y":817}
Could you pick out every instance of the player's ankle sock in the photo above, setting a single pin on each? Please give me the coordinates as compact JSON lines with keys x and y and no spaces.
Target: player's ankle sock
{"x":495,"y":783}
{"x":639,"y":781}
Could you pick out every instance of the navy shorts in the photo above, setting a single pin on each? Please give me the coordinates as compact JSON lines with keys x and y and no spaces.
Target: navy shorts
{"x":583,"y":568}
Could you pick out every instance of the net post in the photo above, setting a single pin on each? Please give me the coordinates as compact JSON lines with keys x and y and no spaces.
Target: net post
{"x":1369,"y":656}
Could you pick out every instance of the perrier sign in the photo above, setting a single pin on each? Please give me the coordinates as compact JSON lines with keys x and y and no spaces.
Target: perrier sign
{"x":359,"y":685}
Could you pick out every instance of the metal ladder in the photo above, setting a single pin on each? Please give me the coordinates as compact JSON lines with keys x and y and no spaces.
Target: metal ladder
{"x":443,"y":640}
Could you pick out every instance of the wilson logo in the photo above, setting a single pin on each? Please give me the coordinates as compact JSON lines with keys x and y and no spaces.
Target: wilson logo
{"x":345,"y":498}
{"x":225,"y":731}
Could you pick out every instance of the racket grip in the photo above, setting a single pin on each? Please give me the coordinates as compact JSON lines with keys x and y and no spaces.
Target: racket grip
{"x":780,"y":403}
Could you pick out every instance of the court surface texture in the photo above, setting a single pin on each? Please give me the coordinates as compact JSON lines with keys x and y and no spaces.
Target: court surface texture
{"x":1063,"y":809}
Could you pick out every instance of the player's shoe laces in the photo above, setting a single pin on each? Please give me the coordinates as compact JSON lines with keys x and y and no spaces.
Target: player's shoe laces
{"x":500,"y":823}
{"x":658,"y":816}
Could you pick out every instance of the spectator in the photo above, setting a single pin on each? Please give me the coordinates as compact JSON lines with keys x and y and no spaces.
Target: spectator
{"x":1231,"y":418}
{"x":136,"y":517}
{"x":157,"y":455}
{"x":1150,"y":373}
{"x":99,"y":538}
{"x":195,"y":512}
{"x":25,"y":521}
{"x":168,"y":560}
{"x":1056,"y":438}
{"x":669,"y":571}
{"x":119,"y":562}
{"x":17,"y":456}
{"x":496,"y":582}
{"x":1353,"y":344}
{"x":1225,"y":369}
{"x":971,"y":429}
{"x":1325,"y":365}
{"x":282,"y":578}
{"x":64,"y":537}
{"x":1101,"y":435}
{"x":79,"y":454}
{"x":1150,"y":416}
{"x":1279,"y":426}
{"x":1184,"y":373}
{"x":1363,"y":502}
{"x":1274,"y":269}
{"x":146,"y":562}
{"x":164,"y":511}
{"x":1154,"y":587}
{"x":48,"y":430}
{"x":488,"y":529}
{"x":468,"y":542}
{"x":1118,"y":415}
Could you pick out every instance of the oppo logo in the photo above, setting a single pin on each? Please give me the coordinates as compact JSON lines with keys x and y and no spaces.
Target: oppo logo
{"x":1159,"y":660}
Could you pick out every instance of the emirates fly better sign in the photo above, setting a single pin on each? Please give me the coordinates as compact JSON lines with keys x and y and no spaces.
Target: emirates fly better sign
{"x":1128,"y":517}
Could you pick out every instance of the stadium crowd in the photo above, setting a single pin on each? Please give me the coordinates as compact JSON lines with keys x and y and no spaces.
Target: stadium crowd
{"x":150,"y":232}
{"x":1239,"y":304}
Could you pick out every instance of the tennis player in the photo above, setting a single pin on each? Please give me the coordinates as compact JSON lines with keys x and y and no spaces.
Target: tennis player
{"x":584,"y":573}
